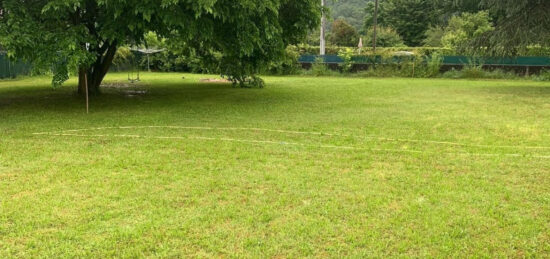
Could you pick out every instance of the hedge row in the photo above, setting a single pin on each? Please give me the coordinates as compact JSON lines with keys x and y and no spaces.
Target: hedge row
{"x":420,"y":51}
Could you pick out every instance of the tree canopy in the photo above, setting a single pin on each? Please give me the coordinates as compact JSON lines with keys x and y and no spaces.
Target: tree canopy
{"x":410,"y":18}
{"x":519,"y":24}
{"x":238,"y":37}
{"x":466,"y":27}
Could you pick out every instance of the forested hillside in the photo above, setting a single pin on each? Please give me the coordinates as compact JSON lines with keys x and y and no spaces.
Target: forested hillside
{"x":407,"y":22}
{"x":353,"y":11}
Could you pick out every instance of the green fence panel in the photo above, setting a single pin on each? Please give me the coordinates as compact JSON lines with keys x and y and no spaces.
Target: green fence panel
{"x":11,"y":69}
{"x":5,"y":71}
{"x":534,"y":61}
{"x":498,"y":61}
{"x":326,"y":59}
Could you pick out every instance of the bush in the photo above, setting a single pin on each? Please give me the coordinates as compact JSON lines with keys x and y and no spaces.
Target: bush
{"x":385,"y":37}
{"x":319,"y":68}
{"x":380,"y":71}
{"x":433,"y":66}
{"x":288,"y":65}
{"x":433,"y":37}
{"x":466,"y":27}
{"x":346,"y":54}
{"x":543,"y":76}
{"x":500,"y":74}
{"x":246,"y":81}
{"x":305,"y":49}
{"x":411,"y":66}
{"x":536,"y":51}
{"x":408,"y":66}
{"x":473,"y":70}
{"x":343,"y":34}
{"x":452,"y":74}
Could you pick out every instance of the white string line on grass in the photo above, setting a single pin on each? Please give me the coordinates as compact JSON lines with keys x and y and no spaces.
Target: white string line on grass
{"x":208,"y":128}
{"x":456,"y":144}
{"x":293,"y":144}
{"x":311,"y":133}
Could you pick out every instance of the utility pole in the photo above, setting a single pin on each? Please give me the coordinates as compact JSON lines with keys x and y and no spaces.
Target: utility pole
{"x":375,"y":22}
{"x":323,"y":25}
{"x":148,"y":64}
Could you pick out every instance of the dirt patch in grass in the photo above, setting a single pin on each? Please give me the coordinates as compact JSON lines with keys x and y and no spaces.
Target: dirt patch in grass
{"x":214,"y":80}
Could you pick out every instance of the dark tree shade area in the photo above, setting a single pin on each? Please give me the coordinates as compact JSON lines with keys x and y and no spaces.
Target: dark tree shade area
{"x":237,"y":37}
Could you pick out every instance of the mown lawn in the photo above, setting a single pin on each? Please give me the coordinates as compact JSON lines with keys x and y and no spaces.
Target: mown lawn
{"x":316,"y":167}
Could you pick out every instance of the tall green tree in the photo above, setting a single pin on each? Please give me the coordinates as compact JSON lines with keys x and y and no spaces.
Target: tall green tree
{"x":369,"y":10}
{"x":410,"y":18}
{"x":519,"y":24}
{"x":448,"y":8}
{"x":238,"y":37}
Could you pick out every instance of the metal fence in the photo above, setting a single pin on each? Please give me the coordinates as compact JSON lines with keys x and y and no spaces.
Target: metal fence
{"x":11,"y":69}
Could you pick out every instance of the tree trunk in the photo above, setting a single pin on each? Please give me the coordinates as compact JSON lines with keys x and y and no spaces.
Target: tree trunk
{"x":93,"y":87}
{"x":96,"y":73}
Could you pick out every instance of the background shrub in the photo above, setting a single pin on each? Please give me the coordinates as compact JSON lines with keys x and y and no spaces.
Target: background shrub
{"x":474,"y":69}
{"x":343,"y":34}
{"x":319,"y":68}
{"x":288,"y":65}
{"x":346,"y":55}
{"x":543,"y":76}
{"x":385,"y":37}
{"x":305,"y":49}
{"x":466,"y":27}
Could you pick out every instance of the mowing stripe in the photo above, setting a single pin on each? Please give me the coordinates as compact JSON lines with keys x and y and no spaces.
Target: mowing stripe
{"x":307,"y":133}
{"x":293,"y":144}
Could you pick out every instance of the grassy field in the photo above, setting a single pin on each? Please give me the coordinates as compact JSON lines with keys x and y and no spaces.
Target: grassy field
{"x":316,"y":167}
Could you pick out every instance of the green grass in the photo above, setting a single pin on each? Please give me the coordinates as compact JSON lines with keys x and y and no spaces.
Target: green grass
{"x":382,"y":185}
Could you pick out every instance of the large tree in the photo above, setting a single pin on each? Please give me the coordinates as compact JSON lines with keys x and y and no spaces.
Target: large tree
{"x":410,"y":18}
{"x":519,"y":24}
{"x":238,"y":36}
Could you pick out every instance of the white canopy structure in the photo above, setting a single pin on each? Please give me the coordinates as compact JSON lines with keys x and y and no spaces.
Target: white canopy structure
{"x":148,"y":52}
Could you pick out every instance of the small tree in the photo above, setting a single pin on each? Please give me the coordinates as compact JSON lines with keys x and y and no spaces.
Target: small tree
{"x":465,"y":28}
{"x":343,"y":34}
{"x":434,"y":36}
{"x":385,"y":37}
{"x":347,"y":55}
